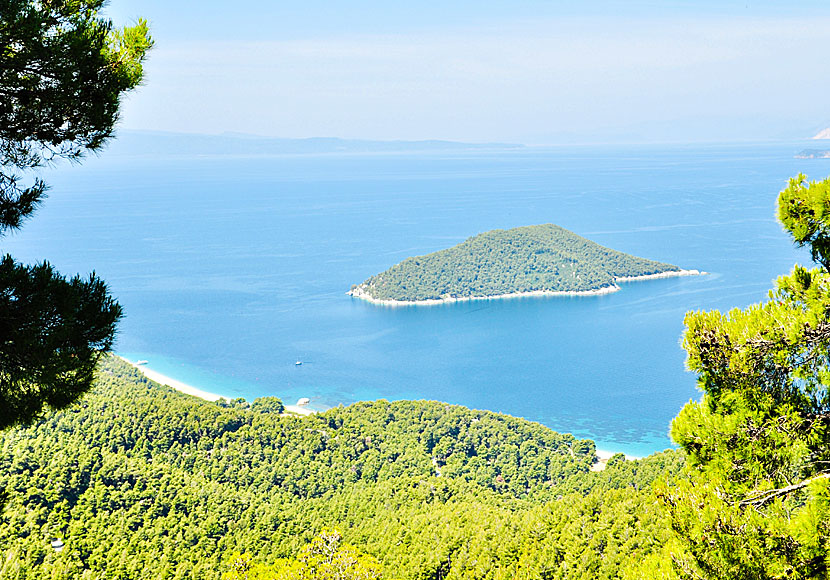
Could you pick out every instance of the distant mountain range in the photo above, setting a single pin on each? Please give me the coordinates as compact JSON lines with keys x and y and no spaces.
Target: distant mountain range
{"x":813,"y":154}
{"x":155,"y":143}
{"x":816,"y":153}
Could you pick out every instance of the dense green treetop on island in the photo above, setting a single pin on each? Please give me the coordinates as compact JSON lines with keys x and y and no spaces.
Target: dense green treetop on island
{"x":519,"y":260}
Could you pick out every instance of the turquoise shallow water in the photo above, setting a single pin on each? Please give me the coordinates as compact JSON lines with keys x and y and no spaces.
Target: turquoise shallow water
{"x":232,"y":268}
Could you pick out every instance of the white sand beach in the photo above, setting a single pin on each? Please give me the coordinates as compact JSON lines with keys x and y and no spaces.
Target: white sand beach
{"x":191,"y":390}
{"x":173,"y":383}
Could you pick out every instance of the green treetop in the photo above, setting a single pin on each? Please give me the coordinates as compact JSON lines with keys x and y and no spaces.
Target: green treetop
{"x":325,"y":558}
{"x":754,"y":501}
{"x":63,"y":70}
{"x":804,"y":209}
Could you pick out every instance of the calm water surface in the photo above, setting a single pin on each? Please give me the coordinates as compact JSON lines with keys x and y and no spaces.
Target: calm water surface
{"x":230,"y":269}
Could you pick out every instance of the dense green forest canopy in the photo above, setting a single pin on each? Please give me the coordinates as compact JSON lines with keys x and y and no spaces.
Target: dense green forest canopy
{"x":526,"y":259}
{"x":139,"y":481}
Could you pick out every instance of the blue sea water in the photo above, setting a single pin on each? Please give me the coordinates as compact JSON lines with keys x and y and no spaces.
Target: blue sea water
{"x":231,"y":268}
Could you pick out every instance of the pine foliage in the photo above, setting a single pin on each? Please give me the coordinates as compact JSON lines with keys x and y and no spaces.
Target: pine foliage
{"x":63,"y":72}
{"x":754,"y":500}
{"x":139,"y":481}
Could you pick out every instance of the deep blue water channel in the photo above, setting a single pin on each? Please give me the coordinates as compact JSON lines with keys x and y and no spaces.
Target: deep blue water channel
{"x":232,"y":268}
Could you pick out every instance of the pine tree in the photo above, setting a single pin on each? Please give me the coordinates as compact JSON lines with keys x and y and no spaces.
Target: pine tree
{"x":63,"y":70}
{"x":754,"y":501}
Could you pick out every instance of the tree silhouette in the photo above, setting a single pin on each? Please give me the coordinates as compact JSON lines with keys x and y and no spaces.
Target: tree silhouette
{"x":63,"y":70}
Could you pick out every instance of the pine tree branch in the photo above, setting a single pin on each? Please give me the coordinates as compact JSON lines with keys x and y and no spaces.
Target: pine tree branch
{"x":760,"y":498}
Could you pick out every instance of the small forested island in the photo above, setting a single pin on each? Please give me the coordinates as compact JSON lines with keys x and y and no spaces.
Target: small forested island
{"x":526,"y":261}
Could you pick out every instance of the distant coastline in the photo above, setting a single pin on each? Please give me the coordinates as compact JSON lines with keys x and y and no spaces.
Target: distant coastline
{"x":358,"y":292}
{"x":813,"y":154}
{"x":602,"y":455}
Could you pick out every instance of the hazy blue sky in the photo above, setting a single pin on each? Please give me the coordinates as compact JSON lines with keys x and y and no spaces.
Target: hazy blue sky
{"x":527,"y":71}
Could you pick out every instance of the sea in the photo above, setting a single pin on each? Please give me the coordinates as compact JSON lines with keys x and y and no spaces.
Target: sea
{"x":233,"y":266}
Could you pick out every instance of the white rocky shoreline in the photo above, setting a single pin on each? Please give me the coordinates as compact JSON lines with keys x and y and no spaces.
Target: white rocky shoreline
{"x":360,"y":292}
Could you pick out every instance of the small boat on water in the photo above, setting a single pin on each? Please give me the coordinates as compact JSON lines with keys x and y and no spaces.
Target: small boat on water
{"x":141,"y":362}
{"x":303,"y":402}
{"x":298,"y":363}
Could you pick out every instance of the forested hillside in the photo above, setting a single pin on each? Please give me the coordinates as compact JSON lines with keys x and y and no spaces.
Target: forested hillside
{"x":527,"y":259}
{"x":139,"y":481}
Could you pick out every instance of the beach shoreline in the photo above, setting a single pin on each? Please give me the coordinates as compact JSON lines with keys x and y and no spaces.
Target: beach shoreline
{"x":163,"y":379}
{"x":669,"y":274}
{"x":361,"y":294}
{"x":603,"y":455}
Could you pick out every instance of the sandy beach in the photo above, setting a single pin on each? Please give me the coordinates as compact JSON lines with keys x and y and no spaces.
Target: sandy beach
{"x":360,"y":293}
{"x":191,"y":390}
{"x":174,"y":384}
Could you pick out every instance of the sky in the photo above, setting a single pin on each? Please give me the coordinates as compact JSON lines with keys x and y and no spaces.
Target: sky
{"x":525,"y":71}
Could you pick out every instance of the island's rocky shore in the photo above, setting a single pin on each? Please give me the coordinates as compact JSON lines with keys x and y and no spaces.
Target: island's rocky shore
{"x":361,"y":293}
{"x":668,"y":274}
